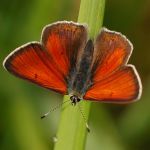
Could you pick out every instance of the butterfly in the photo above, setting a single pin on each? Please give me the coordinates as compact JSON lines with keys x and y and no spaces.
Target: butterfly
{"x":68,"y":62}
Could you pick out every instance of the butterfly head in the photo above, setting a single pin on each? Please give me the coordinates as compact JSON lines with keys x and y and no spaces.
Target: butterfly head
{"x":74,"y":99}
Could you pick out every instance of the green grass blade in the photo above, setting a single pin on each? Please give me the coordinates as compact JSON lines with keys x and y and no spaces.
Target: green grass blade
{"x":92,"y":12}
{"x":72,"y":130}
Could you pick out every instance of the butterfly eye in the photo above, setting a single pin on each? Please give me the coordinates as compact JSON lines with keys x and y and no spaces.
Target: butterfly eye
{"x":74,"y":99}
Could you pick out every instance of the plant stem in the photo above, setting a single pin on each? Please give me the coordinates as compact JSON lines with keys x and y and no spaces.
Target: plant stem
{"x":72,"y":129}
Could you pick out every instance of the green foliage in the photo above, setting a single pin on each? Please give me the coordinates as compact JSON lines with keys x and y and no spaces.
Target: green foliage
{"x":72,"y":128}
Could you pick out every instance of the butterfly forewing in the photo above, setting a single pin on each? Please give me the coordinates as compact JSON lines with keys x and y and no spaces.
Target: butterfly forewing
{"x":112,"y":51}
{"x":64,"y":41}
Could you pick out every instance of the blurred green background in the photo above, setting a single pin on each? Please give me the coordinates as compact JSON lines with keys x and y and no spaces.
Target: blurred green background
{"x":113,"y":127}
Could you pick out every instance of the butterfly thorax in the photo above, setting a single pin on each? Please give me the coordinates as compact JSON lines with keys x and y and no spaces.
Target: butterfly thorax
{"x":81,"y":77}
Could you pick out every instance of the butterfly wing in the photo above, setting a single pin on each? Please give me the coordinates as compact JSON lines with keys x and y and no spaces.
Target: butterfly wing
{"x":48,"y":63}
{"x":120,"y":87}
{"x":30,"y":62}
{"x":63,"y":41}
{"x":112,"y":51}
{"x":113,"y":80}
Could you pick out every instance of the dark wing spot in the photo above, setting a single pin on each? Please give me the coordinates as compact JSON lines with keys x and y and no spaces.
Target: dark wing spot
{"x":35,"y":76}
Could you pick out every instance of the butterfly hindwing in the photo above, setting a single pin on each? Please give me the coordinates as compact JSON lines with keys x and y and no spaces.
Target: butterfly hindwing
{"x":120,"y":87}
{"x":32,"y":63}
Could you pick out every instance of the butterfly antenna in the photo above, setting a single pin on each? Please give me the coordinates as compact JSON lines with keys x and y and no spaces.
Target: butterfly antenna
{"x":83,"y":116}
{"x":53,"y":109}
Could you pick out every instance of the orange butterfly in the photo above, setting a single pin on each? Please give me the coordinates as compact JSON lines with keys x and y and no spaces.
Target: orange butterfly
{"x":67,"y":62}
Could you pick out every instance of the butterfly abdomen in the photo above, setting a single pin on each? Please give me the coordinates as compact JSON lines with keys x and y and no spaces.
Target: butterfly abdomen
{"x":83,"y":73}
